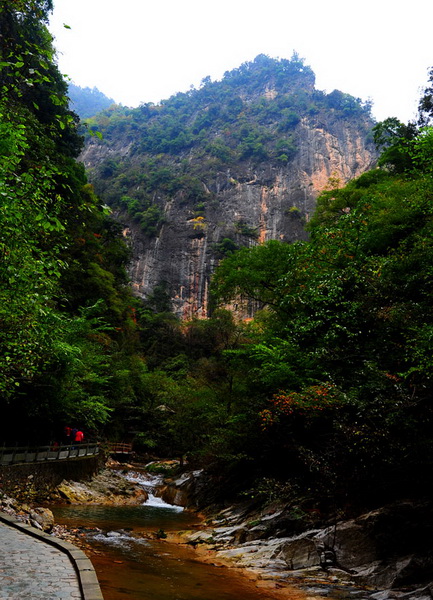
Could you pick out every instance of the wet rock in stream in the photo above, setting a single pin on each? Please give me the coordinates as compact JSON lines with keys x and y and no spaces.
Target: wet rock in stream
{"x":108,"y":487}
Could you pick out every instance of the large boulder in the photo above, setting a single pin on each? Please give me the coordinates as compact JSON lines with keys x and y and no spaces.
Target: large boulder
{"x":183,"y":490}
{"x":300,"y":553}
{"x":42,"y":518}
{"x":388,"y":547}
{"x":108,"y":487}
{"x":351,"y":543}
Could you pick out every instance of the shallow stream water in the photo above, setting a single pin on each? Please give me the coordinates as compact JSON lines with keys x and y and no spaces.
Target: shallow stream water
{"x":131,"y":567}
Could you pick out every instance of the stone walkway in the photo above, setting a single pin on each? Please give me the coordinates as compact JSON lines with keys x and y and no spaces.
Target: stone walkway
{"x":32,"y":568}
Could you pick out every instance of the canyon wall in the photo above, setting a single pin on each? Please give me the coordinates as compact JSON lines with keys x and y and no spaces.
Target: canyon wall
{"x":286,"y":143}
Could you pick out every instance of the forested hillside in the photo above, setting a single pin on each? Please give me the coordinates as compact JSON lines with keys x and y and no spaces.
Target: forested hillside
{"x":234,"y":163}
{"x":65,"y":307}
{"x":86,"y":102}
{"x":322,"y":400}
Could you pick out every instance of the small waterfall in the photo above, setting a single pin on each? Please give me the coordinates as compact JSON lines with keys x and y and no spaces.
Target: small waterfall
{"x":150,"y":483}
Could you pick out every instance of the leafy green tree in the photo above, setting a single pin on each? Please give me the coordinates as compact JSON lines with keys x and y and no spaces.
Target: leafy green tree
{"x":348,"y":311}
{"x":254,"y":273}
{"x":65,"y":312}
{"x":395,"y":139}
{"x":425,"y":105}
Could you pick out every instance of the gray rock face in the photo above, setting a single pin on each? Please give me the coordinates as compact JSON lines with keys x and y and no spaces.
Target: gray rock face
{"x":248,"y":204}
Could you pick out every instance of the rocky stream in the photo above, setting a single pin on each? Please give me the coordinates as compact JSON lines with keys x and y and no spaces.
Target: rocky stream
{"x":124,"y":519}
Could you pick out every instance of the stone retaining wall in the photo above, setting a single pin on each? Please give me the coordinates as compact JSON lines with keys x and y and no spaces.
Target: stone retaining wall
{"x":37,"y":480}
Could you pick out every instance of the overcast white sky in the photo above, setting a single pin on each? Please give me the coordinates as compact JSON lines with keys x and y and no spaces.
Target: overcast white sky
{"x":146,"y":50}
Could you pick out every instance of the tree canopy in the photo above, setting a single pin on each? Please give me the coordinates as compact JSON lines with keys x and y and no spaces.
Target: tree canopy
{"x":328,"y":387}
{"x":57,"y":337}
{"x":343,"y":354}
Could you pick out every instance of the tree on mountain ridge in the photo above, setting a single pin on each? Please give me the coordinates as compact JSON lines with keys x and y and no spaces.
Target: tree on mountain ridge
{"x":87,"y":102}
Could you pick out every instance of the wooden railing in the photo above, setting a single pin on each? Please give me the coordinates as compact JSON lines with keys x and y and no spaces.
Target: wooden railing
{"x":119,"y":448}
{"x":23,"y":455}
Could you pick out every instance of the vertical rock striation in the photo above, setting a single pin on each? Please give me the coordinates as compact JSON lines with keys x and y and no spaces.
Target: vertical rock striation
{"x":256,"y":172}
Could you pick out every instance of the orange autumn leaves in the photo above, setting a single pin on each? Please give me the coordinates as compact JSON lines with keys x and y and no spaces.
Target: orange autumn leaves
{"x":311,"y":402}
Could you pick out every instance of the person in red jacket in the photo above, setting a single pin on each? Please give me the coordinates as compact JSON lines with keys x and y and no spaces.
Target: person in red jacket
{"x":79,"y":436}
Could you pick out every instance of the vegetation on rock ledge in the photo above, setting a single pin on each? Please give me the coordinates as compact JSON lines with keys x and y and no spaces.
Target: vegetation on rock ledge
{"x":324,"y":395}
{"x":182,"y":145}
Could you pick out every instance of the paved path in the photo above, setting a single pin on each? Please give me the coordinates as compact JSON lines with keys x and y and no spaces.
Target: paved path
{"x":32,"y":568}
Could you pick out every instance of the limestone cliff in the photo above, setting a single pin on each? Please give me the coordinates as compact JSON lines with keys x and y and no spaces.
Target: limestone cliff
{"x":233,"y":179}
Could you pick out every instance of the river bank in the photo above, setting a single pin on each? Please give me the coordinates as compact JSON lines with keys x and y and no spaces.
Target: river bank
{"x":114,"y":488}
{"x":267,"y":547}
{"x":114,"y":534}
{"x":274,"y":550}
{"x":384,"y":553}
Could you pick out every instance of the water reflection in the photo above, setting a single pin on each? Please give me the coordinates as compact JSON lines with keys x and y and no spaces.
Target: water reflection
{"x":139,"y":518}
{"x":132,"y":567}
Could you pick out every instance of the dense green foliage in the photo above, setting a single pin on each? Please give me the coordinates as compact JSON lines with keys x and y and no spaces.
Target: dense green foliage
{"x":324,"y":398}
{"x":64,"y":304}
{"x":344,"y":356}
